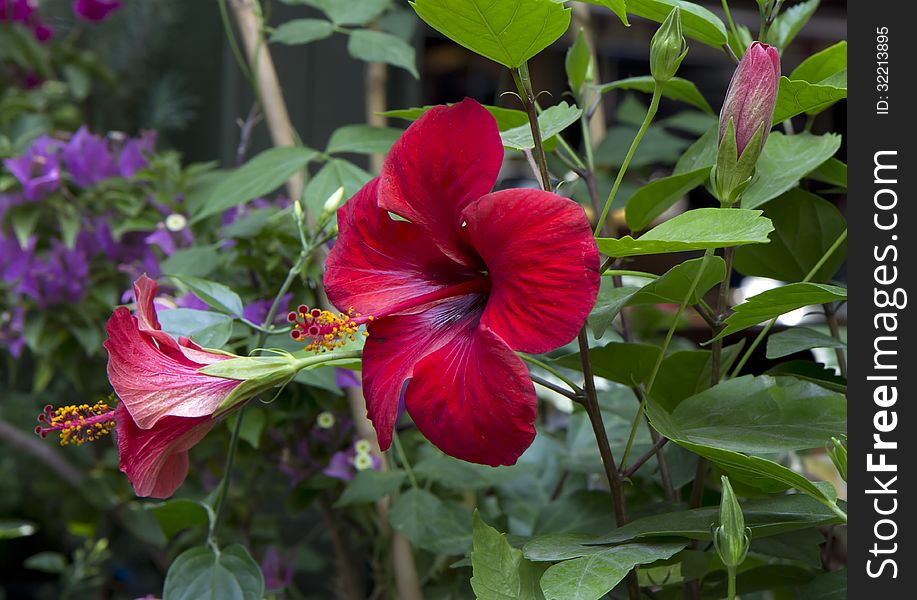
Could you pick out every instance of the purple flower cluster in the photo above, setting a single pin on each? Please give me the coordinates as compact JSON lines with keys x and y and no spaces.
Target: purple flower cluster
{"x":44,"y":270}
{"x":25,"y":12}
{"x":95,"y":10}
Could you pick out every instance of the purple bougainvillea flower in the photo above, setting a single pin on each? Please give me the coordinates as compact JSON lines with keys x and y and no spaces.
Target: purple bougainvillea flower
{"x":12,"y":325}
{"x":256,"y":312}
{"x":278,"y":572}
{"x":38,"y":170}
{"x":95,"y":10}
{"x":132,"y":157}
{"x":464,"y":280}
{"x":24,"y":11}
{"x":87,"y":159}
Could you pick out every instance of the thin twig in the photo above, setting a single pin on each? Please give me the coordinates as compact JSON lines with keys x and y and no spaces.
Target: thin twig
{"x":658,"y":445}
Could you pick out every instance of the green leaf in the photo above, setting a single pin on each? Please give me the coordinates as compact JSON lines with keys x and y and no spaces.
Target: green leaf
{"x":795,"y":97}
{"x":551,"y":121}
{"x":209,"y":329}
{"x":46,"y":562}
{"x":656,"y":197}
{"x":607,"y":306}
{"x":790,"y":22}
{"x":498,"y":570}
{"x":778,"y":301}
{"x":627,"y":363}
{"x":757,"y":415}
{"x":798,"y":339}
{"x":370,"y":485}
{"x":805,"y":227}
{"x":200,"y":574}
{"x":178,"y":514}
{"x":618,"y":7}
{"x":216,"y":295}
{"x":506,"y":118}
{"x":362,"y":139}
{"x":822,"y":65}
{"x":686,"y":373}
{"x":337,"y":173}
{"x":676,"y":88}
{"x":698,"y":22}
{"x":766,"y":517}
{"x":801,"y":546}
{"x":785,"y":160}
{"x":672,"y":287}
{"x":378,"y":46}
{"x":432,"y":524}
{"x":583,"y":510}
{"x":577,"y":63}
{"x":459,"y":475}
{"x":806,"y":370}
{"x":697,"y":229}
{"x":832,"y":171}
{"x":24,"y":219}
{"x":16,"y":528}
{"x":827,"y":586}
{"x":197,"y":261}
{"x":701,"y":154}
{"x":259,"y":176}
{"x":349,"y":12}
{"x":509,"y":33}
{"x":591,"y":577}
{"x":658,"y":147}
{"x":302,"y":31}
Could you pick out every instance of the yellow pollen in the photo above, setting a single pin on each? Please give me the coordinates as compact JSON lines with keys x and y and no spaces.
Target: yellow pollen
{"x":78,"y":423}
{"x":322,"y":330}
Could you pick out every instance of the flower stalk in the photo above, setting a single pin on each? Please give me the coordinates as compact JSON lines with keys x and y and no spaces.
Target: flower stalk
{"x":527,"y":95}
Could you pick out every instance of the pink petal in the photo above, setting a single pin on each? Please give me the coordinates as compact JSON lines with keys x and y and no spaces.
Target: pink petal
{"x":378,"y":262}
{"x":156,"y":460}
{"x":153,"y":384}
{"x":474,"y":400}
{"x":396,"y":344}
{"x":144,"y":295}
{"x":543,"y":265}
{"x":446,"y":159}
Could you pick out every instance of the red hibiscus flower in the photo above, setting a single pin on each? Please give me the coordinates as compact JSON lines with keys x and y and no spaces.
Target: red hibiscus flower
{"x":166,"y":404}
{"x":456,"y":285}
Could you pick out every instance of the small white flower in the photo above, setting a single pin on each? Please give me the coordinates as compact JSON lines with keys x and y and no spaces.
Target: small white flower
{"x":325,"y":420}
{"x":176,"y":222}
{"x":362,"y":447}
{"x":362,"y":462}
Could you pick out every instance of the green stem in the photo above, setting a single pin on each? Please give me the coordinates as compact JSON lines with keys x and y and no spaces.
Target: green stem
{"x":650,"y":114}
{"x":625,"y":272}
{"x":731,"y":573}
{"x":403,"y":457}
{"x":665,"y":346}
{"x":732,"y":25}
{"x":821,"y":262}
{"x":543,"y":365}
{"x":233,"y":44}
{"x":524,"y":84}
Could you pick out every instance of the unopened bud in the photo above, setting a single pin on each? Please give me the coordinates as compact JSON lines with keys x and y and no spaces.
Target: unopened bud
{"x":731,"y":538}
{"x":837,"y":450}
{"x":745,"y":120}
{"x":668,"y":48}
{"x":334,"y":201}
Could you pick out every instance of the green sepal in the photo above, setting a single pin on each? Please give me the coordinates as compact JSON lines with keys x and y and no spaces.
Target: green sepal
{"x":733,"y":173}
{"x":668,"y":48}
{"x":732,"y":538}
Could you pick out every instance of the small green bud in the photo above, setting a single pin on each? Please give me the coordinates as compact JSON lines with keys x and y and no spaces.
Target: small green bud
{"x":668,"y":48}
{"x":325,"y":420}
{"x":837,"y":450}
{"x":731,"y":539}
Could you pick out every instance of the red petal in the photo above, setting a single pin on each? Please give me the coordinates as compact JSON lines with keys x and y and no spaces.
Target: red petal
{"x":446,"y":159}
{"x":396,"y":344}
{"x":153,"y":384}
{"x":543,"y":265}
{"x":144,"y":294}
{"x":474,"y":400}
{"x":156,"y":460}
{"x":378,"y":262}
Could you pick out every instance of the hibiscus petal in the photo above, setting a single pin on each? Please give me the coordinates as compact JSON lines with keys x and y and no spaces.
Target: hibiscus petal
{"x":474,"y":400}
{"x":152,"y":384}
{"x":378,"y":262}
{"x":446,"y":159}
{"x":144,"y":295}
{"x":543,"y":265}
{"x":156,"y":460}
{"x":396,"y":344}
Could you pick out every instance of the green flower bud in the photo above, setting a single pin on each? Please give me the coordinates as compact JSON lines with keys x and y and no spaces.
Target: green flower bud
{"x":837,"y":450}
{"x":731,"y":539}
{"x":668,"y":48}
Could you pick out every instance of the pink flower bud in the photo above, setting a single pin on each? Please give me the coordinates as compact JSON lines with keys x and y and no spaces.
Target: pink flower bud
{"x":752,"y":94}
